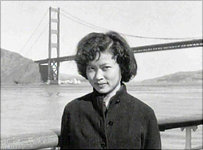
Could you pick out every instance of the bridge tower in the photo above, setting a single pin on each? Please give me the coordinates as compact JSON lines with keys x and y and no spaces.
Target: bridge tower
{"x":54,"y":45}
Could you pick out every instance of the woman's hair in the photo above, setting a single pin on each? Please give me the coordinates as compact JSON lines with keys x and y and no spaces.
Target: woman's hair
{"x":94,"y":43}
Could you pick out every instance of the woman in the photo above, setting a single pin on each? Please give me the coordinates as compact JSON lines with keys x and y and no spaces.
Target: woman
{"x":109,"y":117}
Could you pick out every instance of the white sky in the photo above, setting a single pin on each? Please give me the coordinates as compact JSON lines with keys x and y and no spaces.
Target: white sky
{"x":164,"y":19}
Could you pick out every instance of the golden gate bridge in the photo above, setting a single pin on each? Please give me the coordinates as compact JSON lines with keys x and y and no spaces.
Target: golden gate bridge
{"x":50,"y":66}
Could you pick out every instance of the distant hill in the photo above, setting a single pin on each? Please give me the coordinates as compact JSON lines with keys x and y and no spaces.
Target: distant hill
{"x":179,"y":78}
{"x":18,"y":69}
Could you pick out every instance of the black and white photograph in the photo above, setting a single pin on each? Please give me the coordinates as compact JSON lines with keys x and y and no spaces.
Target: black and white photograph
{"x":101,"y":74}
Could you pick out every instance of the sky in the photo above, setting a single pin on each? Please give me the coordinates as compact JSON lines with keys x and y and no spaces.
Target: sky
{"x":24,"y":29}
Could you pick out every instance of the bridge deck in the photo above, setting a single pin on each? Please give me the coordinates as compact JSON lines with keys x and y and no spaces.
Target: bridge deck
{"x":142,"y":49}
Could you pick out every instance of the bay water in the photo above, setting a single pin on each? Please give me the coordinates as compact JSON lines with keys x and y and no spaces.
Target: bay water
{"x":37,"y":108}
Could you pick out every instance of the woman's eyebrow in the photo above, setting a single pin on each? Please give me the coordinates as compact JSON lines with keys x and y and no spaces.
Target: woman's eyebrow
{"x":90,"y":65}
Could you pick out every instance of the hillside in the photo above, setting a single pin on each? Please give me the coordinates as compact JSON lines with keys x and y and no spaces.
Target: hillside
{"x":18,"y":69}
{"x":179,"y":78}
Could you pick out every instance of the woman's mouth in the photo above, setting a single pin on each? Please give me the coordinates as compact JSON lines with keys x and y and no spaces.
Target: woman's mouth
{"x":100,"y":84}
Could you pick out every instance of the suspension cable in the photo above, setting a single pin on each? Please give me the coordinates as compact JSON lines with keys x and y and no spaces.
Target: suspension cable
{"x":36,"y":40}
{"x":90,"y":25}
{"x":28,"y":40}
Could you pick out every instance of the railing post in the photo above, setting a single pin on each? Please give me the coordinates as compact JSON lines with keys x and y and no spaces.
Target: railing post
{"x":188,"y":136}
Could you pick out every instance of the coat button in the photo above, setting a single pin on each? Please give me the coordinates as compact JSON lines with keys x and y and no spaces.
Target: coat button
{"x":103,"y":145}
{"x":110,"y":123}
{"x":117,"y":101}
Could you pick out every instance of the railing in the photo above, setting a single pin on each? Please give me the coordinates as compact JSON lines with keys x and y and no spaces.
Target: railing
{"x":50,"y":139}
{"x":188,"y":123}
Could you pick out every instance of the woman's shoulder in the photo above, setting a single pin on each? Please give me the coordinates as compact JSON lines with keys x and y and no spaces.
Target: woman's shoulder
{"x":77,"y":102}
{"x":139,"y":105}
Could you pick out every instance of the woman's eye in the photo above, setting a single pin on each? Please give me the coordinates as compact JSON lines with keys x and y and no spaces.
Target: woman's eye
{"x":106,"y":68}
{"x":90,"y":68}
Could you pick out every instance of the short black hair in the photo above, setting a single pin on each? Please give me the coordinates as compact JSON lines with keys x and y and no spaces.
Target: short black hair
{"x":94,"y":43}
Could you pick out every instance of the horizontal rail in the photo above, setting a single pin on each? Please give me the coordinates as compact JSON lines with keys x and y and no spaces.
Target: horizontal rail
{"x":31,"y":141}
{"x":51,"y":138}
{"x":197,"y":148}
{"x":179,"y":122}
{"x":142,"y":49}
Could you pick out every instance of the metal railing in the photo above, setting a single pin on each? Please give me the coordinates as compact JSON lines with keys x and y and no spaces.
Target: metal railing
{"x":50,"y":139}
{"x":188,"y":123}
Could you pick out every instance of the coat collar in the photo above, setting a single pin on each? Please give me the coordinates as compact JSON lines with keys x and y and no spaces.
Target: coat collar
{"x":97,"y":98}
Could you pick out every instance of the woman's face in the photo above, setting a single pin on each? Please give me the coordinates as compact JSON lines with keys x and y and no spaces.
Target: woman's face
{"x":104,"y":73}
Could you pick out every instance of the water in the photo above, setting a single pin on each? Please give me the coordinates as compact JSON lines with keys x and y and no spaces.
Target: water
{"x":30,"y":109}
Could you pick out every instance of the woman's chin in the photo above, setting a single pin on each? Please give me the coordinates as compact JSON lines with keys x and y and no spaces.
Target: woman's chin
{"x":102,"y":91}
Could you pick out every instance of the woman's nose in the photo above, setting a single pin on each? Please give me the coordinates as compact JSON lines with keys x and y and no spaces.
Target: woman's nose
{"x":99,"y":75}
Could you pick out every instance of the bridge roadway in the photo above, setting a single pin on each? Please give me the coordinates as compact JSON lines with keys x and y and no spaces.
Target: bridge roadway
{"x":142,"y":49}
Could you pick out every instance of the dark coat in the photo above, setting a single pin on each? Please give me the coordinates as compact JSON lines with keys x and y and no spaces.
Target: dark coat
{"x":128,"y":123}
